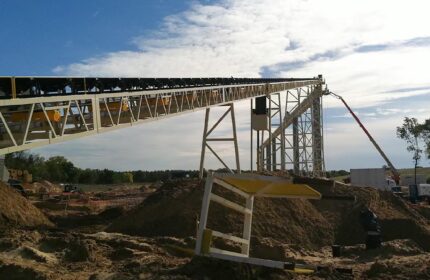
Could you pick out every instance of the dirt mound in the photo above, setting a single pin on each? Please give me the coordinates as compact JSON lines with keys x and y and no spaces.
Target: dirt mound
{"x":16,"y":272}
{"x":173,"y":210}
{"x":44,"y":187}
{"x":397,"y":218}
{"x":413,"y":267}
{"x":17,"y":210}
{"x":170,"y":211}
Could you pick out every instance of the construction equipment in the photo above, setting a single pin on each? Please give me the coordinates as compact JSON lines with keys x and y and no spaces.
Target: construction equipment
{"x":17,"y":186}
{"x":69,"y":188}
{"x":394,"y":172}
{"x":20,"y":175}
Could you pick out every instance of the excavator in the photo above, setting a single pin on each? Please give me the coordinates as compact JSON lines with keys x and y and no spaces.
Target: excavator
{"x":395,"y":175}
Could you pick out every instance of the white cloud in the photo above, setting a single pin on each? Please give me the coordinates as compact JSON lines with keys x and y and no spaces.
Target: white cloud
{"x":241,"y":37}
{"x":300,"y":38}
{"x":369,"y":79}
{"x":236,"y":28}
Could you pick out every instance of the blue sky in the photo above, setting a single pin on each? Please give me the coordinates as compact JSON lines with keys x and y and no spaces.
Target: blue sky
{"x":37,"y":36}
{"x":374,"y":53}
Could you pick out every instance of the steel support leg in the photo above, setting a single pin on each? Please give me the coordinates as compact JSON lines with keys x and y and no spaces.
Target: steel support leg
{"x":296,"y":152}
{"x":206,"y":139}
{"x":317,"y":142}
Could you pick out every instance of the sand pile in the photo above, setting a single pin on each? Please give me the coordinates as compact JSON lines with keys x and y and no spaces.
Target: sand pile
{"x":45,"y":187}
{"x":397,"y":218}
{"x":172,"y":211}
{"x":17,"y":210}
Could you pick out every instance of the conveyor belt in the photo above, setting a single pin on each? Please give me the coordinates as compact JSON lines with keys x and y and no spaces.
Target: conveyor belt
{"x":11,"y":87}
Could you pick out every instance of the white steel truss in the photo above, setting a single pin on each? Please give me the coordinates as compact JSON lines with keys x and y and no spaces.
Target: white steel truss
{"x":27,"y":123}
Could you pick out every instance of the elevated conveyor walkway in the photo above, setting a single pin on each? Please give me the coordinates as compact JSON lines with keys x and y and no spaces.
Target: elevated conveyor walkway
{"x":38,"y":111}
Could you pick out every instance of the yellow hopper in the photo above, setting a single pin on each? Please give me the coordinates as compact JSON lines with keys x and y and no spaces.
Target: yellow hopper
{"x":269,"y":186}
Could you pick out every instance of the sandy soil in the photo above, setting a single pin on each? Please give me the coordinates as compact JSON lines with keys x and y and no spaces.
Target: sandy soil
{"x":155,"y":240}
{"x":101,"y":255}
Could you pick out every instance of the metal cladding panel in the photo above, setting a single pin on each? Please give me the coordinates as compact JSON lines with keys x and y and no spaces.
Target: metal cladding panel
{"x":406,"y":180}
{"x":260,"y":105}
{"x":369,"y":177}
{"x":260,"y":122}
{"x":424,"y":190}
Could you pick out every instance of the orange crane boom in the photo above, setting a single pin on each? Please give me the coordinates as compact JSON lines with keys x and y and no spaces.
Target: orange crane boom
{"x":395,"y":173}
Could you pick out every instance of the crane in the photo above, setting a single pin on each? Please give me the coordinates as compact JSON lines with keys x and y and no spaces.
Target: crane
{"x":395,"y":173}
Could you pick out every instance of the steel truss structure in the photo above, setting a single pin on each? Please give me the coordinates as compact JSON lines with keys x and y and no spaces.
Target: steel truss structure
{"x":294,"y":139}
{"x":43,"y":111}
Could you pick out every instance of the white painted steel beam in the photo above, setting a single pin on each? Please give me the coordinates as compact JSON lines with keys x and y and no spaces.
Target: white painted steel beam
{"x":230,"y":237}
{"x":229,"y":204}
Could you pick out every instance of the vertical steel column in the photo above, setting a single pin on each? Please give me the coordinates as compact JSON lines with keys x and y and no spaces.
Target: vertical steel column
{"x":269,"y":147}
{"x":281,"y":120}
{"x":205,"y":131}
{"x":269,"y":157}
{"x":317,"y":144}
{"x":275,"y":143}
{"x":296,"y":152}
{"x":13,"y":87}
{"x":252,"y":136}
{"x":204,"y":213}
{"x":236,"y":147}
{"x":247,"y":225}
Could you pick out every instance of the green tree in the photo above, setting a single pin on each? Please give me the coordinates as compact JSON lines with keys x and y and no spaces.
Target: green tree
{"x":411,"y":132}
{"x":425,"y":132}
{"x":128,"y":177}
{"x":61,"y":170}
{"x":88,"y":176}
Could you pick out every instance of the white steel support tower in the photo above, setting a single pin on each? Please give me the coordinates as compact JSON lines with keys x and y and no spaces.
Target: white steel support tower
{"x":292,"y":140}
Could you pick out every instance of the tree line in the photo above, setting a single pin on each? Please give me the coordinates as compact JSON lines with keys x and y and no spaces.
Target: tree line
{"x":60,"y":170}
